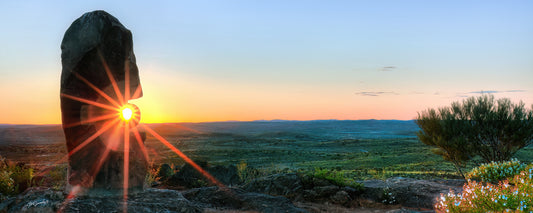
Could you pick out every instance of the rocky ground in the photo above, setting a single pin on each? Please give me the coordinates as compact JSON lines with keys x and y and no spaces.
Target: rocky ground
{"x":275,"y":193}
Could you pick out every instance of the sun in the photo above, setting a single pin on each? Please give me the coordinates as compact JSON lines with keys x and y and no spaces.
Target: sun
{"x":128,"y":112}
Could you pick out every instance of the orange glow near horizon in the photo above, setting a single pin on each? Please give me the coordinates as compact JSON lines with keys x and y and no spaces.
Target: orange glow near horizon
{"x":126,"y":116}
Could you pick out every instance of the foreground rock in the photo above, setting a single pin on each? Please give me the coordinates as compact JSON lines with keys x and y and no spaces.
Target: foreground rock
{"x":409,"y":192}
{"x":97,"y":56}
{"x":211,"y":199}
{"x":188,"y":177}
{"x":405,"y":192}
{"x":233,"y":198}
{"x":303,"y":188}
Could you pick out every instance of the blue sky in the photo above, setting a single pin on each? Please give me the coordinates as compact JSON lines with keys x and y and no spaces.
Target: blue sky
{"x":248,"y":60}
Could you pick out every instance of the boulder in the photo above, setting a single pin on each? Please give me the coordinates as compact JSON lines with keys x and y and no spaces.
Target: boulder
{"x":288,"y":185}
{"x":409,"y":192}
{"x":150,"y":200}
{"x":188,"y":177}
{"x":326,"y":191}
{"x":303,"y":188}
{"x":97,"y":57}
{"x":238,"y":199}
{"x":340,"y":197}
{"x":228,"y":175}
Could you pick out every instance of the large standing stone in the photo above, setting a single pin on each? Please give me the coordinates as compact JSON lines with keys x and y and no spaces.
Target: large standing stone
{"x":93,"y":43}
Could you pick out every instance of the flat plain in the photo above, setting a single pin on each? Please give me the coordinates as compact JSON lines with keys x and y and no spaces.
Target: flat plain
{"x":362,"y":149}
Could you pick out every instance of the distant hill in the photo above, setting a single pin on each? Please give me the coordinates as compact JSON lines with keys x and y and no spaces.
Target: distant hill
{"x":326,"y":129}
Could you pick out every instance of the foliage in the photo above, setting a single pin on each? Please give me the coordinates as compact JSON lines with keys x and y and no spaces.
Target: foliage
{"x":14,"y":178}
{"x":151,"y":175}
{"x":58,"y":177}
{"x":7,"y":184}
{"x":337,"y":177}
{"x":247,"y":173}
{"x":478,"y":126}
{"x":439,"y":129}
{"x":244,"y":172}
{"x":514,"y":194}
{"x":494,"y":172}
{"x":388,"y":196}
{"x":164,"y":172}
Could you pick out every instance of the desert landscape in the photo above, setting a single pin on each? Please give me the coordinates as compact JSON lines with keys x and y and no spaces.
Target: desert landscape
{"x":368,"y":157}
{"x":266,"y":106}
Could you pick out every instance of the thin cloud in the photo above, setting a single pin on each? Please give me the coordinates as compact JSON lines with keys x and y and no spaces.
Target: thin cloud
{"x":495,"y":91}
{"x":466,"y":94}
{"x":388,"y":68}
{"x":375,"y":93}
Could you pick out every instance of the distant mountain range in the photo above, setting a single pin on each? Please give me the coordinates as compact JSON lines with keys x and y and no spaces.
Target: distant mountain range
{"x":324,"y":129}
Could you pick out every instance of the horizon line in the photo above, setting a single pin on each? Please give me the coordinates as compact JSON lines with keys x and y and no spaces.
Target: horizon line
{"x":229,"y":121}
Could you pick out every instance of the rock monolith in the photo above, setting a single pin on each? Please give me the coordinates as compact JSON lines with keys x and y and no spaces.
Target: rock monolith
{"x":99,"y":75}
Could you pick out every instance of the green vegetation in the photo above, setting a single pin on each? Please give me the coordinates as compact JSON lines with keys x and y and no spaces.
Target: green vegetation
{"x":494,"y":130}
{"x":494,"y":172}
{"x":510,"y":195}
{"x":359,"y":159}
{"x":339,"y":178}
{"x":57,"y":177}
{"x":14,"y":178}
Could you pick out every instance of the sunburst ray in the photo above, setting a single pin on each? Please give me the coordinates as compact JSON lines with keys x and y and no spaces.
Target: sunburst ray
{"x":183,"y":156}
{"x":104,"y":128}
{"x":112,"y":79}
{"x":140,"y":142}
{"x":95,"y":119}
{"x":126,"y":163}
{"x":94,"y":103}
{"x":96,"y":89}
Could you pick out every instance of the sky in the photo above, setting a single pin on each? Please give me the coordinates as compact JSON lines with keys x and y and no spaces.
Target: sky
{"x":245,"y":60}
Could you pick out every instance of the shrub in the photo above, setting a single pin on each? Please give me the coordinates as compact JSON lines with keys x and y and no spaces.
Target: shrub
{"x":491,"y":129}
{"x":22,"y":175}
{"x":7,"y":184}
{"x":336,"y":177}
{"x":511,"y":195}
{"x":164,"y":172}
{"x":14,"y":178}
{"x":494,"y":172}
{"x":58,"y":177}
{"x":151,"y":176}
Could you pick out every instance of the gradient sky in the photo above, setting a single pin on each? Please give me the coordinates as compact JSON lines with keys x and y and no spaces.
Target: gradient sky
{"x":298,"y":60}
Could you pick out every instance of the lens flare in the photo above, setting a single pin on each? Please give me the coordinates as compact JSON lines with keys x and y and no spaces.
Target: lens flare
{"x":129,"y":113}
{"x":126,"y":114}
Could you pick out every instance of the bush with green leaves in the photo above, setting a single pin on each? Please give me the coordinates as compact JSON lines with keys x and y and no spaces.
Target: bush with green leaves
{"x":511,"y":195}
{"x":14,"y":178}
{"x":57,"y":176}
{"x":494,"y":172}
{"x":480,"y":126}
{"x":7,"y":184}
{"x":336,"y":177}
